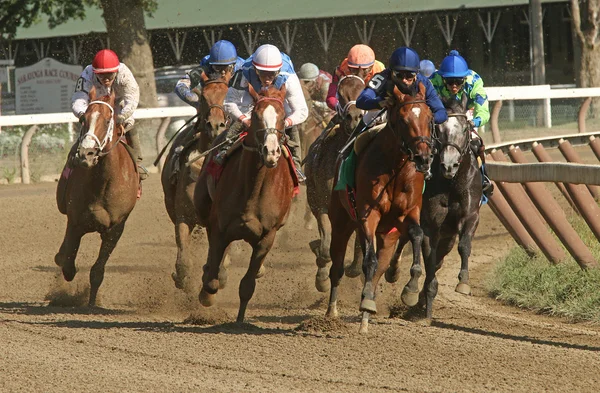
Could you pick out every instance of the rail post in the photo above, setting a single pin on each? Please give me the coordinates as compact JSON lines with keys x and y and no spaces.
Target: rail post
{"x":25,"y":142}
{"x":494,"y":121}
{"x":161,"y":140}
{"x":571,"y":155}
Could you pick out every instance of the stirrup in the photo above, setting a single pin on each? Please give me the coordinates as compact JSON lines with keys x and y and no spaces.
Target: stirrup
{"x":143,"y":172}
{"x":487,"y":187}
{"x":301,"y":176}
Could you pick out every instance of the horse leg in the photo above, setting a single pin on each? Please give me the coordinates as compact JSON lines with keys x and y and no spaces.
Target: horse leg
{"x":65,"y":258}
{"x":355,"y":268}
{"x":410,"y":293}
{"x":308,"y":216}
{"x":464,"y":250}
{"x":248,"y":283}
{"x":210,"y":279}
{"x":341,"y":230}
{"x":323,"y":253}
{"x":392,"y":274}
{"x":430,"y":259}
{"x":385,"y":251}
{"x":110,"y":238}
{"x":181,"y":276}
{"x":370,"y":262}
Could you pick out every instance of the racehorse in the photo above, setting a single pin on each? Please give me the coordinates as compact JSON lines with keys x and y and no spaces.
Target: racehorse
{"x":320,"y":172}
{"x":99,"y":193}
{"x":450,"y":204}
{"x":252,"y":199}
{"x":387,"y":197}
{"x":179,"y":179}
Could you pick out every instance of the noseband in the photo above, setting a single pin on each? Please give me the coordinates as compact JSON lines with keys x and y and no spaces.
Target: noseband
{"x":89,"y":136}
{"x":406,"y":145}
{"x":461,"y":150}
{"x":267,"y":131}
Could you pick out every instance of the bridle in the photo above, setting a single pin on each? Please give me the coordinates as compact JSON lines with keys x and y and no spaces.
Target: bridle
{"x":221,"y":107}
{"x":413,"y":142}
{"x":343,"y":111}
{"x":267,"y":130}
{"x":91,"y":137}
{"x":461,"y":150}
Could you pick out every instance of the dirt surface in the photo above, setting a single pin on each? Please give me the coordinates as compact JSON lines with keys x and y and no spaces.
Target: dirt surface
{"x":149,"y":336}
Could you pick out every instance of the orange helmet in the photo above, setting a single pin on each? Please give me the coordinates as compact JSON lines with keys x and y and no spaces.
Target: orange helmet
{"x":105,"y":61}
{"x":361,"y":56}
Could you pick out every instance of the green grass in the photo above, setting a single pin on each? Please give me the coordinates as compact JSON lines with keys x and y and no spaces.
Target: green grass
{"x":563,"y":290}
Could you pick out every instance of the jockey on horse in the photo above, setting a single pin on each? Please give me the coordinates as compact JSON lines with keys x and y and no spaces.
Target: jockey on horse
{"x":222,"y":60}
{"x":453,"y":79}
{"x":107,"y":73}
{"x":267,"y":66}
{"x":426,"y":68}
{"x":317,"y":83}
{"x":403,"y":72}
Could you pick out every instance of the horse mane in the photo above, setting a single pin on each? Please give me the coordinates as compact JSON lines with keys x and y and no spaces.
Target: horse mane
{"x":106,"y":98}
{"x":454,"y":105}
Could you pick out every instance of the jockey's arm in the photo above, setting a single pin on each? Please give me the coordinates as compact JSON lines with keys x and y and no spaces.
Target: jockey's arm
{"x":332,"y":100}
{"x":131,"y":94}
{"x":235,"y":97}
{"x":481,"y":105}
{"x":374,"y":93}
{"x":185,"y":86}
{"x":295,"y":99}
{"x":433,"y":100}
{"x":80,"y":98}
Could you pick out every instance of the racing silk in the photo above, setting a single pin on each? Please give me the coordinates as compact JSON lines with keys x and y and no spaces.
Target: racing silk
{"x":340,"y":72}
{"x":476,"y":95}
{"x":127,"y":92}
{"x":188,"y":87}
{"x":238,"y":102}
{"x":381,"y":85}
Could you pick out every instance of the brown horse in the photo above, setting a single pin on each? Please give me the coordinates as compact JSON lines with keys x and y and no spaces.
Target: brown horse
{"x":100,"y":192}
{"x":252,"y":199}
{"x":320,"y":172}
{"x":179,"y":179}
{"x":388,"y":196}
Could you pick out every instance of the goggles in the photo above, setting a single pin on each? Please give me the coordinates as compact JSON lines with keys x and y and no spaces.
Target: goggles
{"x":109,"y":76}
{"x":220,"y":68}
{"x":454,"y":81}
{"x":404,"y":74}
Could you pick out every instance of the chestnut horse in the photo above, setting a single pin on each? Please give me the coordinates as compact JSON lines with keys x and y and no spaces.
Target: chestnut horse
{"x":100,"y":192}
{"x":252,"y":199}
{"x":388,"y":196}
{"x":320,"y":172}
{"x":179,"y":179}
{"x":451,"y":204}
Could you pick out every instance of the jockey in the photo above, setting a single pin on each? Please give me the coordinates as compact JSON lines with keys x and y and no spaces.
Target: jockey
{"x":426,"y":68}
{"x":360,"y":62}
{"x":222,"y":59}
{"x":268,"y":66}
{"x":403,"y":72}
{"x":106,"y":73}
{"x":453,"y":79}
{"x":317,"y":83}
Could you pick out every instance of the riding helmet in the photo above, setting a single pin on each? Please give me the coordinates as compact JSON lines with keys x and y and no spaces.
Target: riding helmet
{"x":222,"y":53}
{"x":426,"y":68}
{"x":454,"y":66}
{"x":361,"y":56}
{"x":105,"y":61}
{"x":267,"y":58}
{"x":404,"y":59}
{"x":308,"y":72}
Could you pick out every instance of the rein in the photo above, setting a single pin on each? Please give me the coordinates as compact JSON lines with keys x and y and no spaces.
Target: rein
{"x":343,"y":111}
{"x":406,"y":145}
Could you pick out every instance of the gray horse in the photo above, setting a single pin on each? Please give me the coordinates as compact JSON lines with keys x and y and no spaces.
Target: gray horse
{"x":451,"y":203}
{"x":320,"y":171}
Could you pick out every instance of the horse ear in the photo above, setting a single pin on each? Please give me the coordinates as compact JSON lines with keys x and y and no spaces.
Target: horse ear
{"x":399,"y":95}
{"x":92,"y":93}
{"x":464,"y":101}
{"x":252,"y":92}
{"x":422,"y":90}
{"x":283,"y":91}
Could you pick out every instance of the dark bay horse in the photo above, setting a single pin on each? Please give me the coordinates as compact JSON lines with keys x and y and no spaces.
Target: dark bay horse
{"x":100,"y":193}
{"x":451,"y":204}
{"x":179,"y":179}
{"x":252,"y":199}
{"x":320,"y":169}
{"x":388,"y":196}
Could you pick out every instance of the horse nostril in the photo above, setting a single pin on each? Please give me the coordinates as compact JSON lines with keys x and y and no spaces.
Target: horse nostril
{"x":89,"y":153}
{"x":222,"y":125}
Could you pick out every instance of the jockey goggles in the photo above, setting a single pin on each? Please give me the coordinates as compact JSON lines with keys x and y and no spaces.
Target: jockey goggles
{"x":454,"y":81}
{"x":220,"y":68}
{"x":403,"y":74}
{"x":267,"y":74}
{"x":107,"y":76}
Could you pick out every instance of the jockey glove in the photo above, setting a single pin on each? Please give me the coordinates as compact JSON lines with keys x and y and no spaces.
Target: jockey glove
{"x":121,"y":119}
{"x":82,"y":118}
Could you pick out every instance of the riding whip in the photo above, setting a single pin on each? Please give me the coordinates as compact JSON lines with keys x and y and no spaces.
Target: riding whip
{"x":171,"y":140}
{"x":357,"y":131}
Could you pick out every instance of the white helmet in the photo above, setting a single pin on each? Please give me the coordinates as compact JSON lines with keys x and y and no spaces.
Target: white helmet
{"x":308,"y":72}
{"x":267,"y":58}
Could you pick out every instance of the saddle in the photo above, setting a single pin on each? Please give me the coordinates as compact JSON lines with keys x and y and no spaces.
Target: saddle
{"x":364,"y":138}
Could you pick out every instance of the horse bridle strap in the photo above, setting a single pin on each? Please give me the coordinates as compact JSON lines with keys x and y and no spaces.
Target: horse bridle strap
{"x":89,"y":135}
{"x":462,"y":151}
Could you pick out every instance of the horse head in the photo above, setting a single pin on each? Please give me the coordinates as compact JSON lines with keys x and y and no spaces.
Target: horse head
{"x":412,"y":120}
{"x":349,"y":88}
{"x":268,"y":123}
{"x":98,"y":129}
{"x":453,"y":136}
{"x":211,"y":111}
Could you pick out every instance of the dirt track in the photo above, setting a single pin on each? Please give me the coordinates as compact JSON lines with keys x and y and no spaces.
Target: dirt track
{"x":138,"y":341}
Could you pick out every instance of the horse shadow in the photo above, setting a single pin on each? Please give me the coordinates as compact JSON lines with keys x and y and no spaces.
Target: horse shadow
{"x":24,"y":308}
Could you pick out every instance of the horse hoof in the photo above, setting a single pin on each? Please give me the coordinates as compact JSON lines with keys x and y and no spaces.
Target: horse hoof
{"x":69,"y":274}
{"x":463,"y":288}
{"x":206,"y":299}
{"x":411,"y":299}
{"x":392,"y":276}
{"x":364,"y":326}
{"x":322,"y":285}
{"x":177,"y":280}
{"x":352,"y":271}
{"x":368,"y":305}
{"x":261,"y":272}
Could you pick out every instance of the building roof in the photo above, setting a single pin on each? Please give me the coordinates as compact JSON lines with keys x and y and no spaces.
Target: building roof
{"x":192,"y":13}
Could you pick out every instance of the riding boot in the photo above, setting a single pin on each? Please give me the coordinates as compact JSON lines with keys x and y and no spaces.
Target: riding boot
{"x":133,"y":139}
{"x":72,"y":161}
{"x":479,"y":150}
{"x":295,"y":148}
{"x":230,"y":136}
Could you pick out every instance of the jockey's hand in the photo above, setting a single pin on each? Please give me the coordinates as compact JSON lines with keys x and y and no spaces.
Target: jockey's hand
{"x":121,"y":119}
{"x":246,"y":122}
{"x":471,"y":124}
{"x":82,"y":118}
{"x":387,"y":103}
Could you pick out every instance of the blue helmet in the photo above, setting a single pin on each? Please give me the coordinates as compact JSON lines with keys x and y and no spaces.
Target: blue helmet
{"x":454,"y":66}
{"x":426,"y":68}
{"x":222,"y":53}
{"x":404,"y":59}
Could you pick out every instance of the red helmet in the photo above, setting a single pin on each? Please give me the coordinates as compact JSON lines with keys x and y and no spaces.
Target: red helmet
{"x":105,"y":61}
